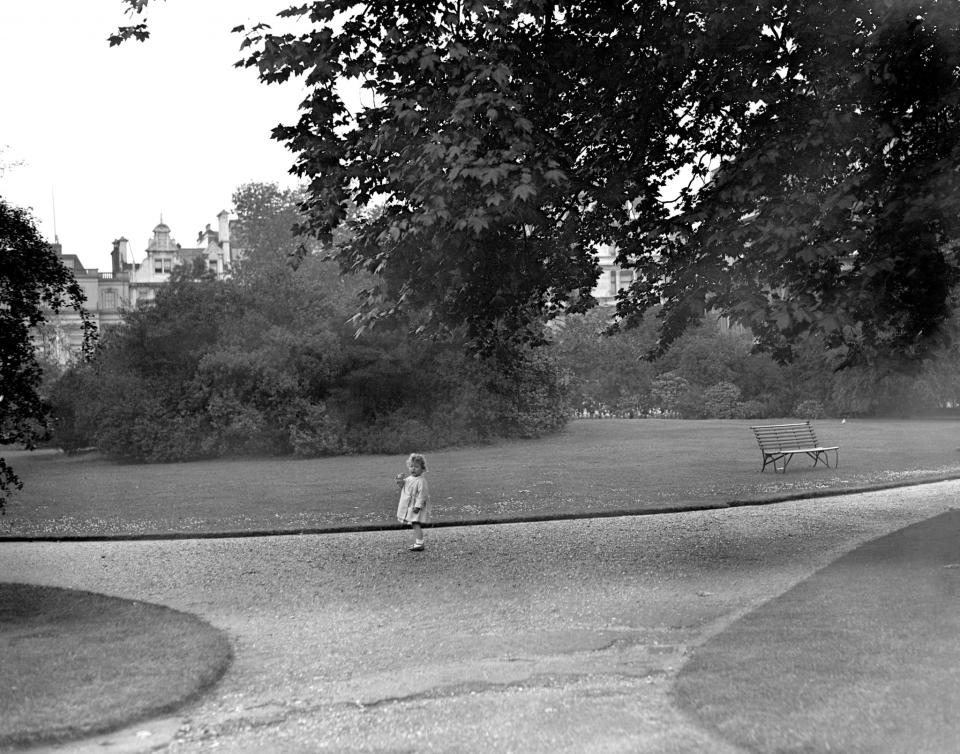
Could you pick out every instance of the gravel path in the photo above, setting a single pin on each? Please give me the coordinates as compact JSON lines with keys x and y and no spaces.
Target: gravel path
{"x":544,"y":637}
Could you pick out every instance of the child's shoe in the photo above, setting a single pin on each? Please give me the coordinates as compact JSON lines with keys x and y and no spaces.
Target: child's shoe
{"x":417,"y":546}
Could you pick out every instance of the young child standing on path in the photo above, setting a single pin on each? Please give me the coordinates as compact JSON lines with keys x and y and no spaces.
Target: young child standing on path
{"x":414,"y":496}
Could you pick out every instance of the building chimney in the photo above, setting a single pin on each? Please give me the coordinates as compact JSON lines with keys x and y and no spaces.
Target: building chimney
{"x":126,"y":257}
{"x":120,"y":256}
{"x":224,"y":219}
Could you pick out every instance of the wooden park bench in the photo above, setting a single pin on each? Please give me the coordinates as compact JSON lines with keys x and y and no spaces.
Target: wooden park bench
{"x":784,"y":441}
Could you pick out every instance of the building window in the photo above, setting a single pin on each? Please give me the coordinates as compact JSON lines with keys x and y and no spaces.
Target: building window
{"x":162,"y":264}
{"x":109,"y":299}
{"x":212,"y":265}
{"x":613,"y":283}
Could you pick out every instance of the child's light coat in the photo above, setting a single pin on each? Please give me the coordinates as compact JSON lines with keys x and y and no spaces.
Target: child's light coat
{"x":414,"y":494}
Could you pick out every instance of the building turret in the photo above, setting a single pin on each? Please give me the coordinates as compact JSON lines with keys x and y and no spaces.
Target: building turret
{"x":162,"y":240}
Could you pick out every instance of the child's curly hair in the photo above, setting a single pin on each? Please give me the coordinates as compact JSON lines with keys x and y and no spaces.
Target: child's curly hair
{"x":418,"y":459}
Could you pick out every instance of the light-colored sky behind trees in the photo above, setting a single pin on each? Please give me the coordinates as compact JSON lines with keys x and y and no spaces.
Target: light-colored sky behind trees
{"x":113,"y":137}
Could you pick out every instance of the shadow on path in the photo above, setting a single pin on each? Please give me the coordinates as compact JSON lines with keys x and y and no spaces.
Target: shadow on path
{"x":863,"y":656}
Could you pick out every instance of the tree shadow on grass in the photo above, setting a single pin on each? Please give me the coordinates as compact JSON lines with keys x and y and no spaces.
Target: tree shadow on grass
{"x":74,"y":664}
{"x":860,"y":657}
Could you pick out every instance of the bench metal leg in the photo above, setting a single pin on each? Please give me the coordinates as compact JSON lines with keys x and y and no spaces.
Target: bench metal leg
{"x":772,"y":458}
{"x":784,"y":458}
{"x":824,"y":455}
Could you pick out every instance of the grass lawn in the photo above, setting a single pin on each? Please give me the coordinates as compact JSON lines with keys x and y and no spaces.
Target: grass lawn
{"x":594,"y":467}
{"x":74,"y":663}
{"x":861,"y":657}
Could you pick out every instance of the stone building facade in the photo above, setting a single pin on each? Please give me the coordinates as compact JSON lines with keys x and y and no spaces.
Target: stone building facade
{"x":130,"y":283}
{"x":613,"y":278}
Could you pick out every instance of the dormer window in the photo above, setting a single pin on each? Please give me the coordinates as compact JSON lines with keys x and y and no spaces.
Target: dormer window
{"x":162,"y":264}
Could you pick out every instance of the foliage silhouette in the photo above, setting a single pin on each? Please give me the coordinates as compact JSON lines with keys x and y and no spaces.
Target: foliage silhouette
{"x":33,"y":284}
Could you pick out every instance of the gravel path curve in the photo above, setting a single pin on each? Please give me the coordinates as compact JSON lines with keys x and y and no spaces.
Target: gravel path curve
{"x":540,"y":637}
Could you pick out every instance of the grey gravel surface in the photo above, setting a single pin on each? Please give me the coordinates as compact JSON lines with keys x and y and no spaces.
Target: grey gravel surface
{"x":543,"y":637}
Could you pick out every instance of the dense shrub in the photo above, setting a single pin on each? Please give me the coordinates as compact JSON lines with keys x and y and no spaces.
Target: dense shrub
{"x":721,"y":401}
{"x":810,"y":410}
{"x":616,"y":374}
{"x":72,"y":397}
{"x":522,"y":396}
{"x":603,"y":370}
{"x":752,"y":410}
{"x":316,"y":432}
{"x":394,"y":433}
{"x":670,"y":393}
{"x":272,"y":369}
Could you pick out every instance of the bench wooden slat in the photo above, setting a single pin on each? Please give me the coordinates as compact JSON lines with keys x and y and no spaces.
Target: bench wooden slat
{"x":783,"y":441}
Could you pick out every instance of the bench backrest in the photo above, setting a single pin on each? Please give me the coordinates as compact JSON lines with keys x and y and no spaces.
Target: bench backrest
{"x":785,"y":436}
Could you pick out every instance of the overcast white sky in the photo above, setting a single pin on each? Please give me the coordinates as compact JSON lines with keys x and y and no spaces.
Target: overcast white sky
{"x":113,"y":137}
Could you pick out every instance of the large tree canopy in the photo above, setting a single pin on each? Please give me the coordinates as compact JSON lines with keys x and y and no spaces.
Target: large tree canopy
{"x":816,"y":145}
{"x":33,"y":283}
{"x":833,"y":205}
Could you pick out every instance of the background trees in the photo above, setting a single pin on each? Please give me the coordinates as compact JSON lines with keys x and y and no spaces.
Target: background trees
{"x":267,"y":362}
{"x":606,"y":372}
{"x":706,"y":373}
{"x":711,"y":372}
{"x":33,"y":282}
